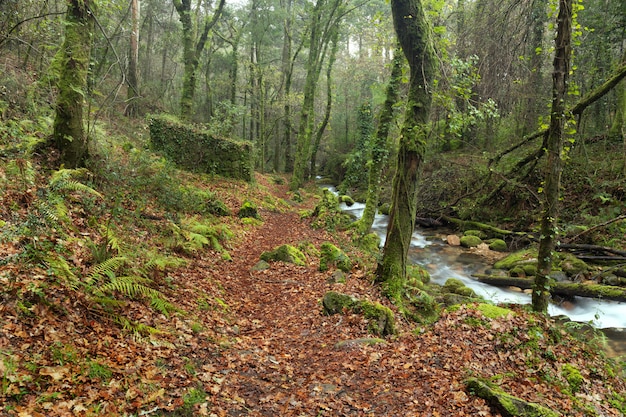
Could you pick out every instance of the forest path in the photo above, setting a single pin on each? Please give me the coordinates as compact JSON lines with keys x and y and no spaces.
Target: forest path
{"x":285,"y":361}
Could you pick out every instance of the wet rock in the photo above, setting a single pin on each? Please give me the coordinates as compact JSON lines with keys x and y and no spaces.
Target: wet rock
{"x":453,"y":240}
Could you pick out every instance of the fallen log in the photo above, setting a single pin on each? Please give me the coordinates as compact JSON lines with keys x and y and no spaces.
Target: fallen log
{"x":592,"y":248}
{"x":491,"y":230}
{"x":566,"y":289}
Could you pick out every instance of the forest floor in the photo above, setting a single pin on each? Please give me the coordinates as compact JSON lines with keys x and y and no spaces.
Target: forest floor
{"x":255,"y":343}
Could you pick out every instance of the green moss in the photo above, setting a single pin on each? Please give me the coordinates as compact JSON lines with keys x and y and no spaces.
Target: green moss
{"x":418,"y":272}
{"x":516,"y":258}
{"x":573,"y":377}
{"x":381,"y":318}
{"x":530,"y":269}
{"x":470,"y":241}
{"x":249,"y":210}
{"x":498,"y":245}
{"x":331,"y":255}
{"x":285,"y":253}
{"x":571,"y":265}
{"x":456,"y":286}
{"x":478,"y":233}
{"x":327,"y":214}
{"x":347,"y":200}
{"x":369,"y":243}
{"x":385,"y":209}
{"x":493,"y":312}
{"x":507,"y":404}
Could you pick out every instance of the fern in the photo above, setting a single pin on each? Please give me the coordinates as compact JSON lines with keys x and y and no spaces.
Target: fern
{"x":106,"y":268}
{"x":130,"y":286}
{"x":63,"y":180}
{"x":161,"y":305}
{"x":61,"y":270}
{"x":162,"y":263}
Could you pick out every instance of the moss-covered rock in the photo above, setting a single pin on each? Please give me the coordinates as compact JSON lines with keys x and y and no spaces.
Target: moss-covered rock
{"x":337,"y":277}
{"x":506,"y":404}
{"x":285,"y":253}
{"x":327,"y":214}
{"x":522,"y":257}
{"x":249,"y":210}
{"x":478,"y":233}
{"x":381,"y":319}
{"x":347,"y":200}
{"x":530,"y":269}
{"x":498,"y":245}
{"x":572,"y":266}
{"x":331,"y":255}
{"x":456,"y":286}
{"x":517,"y":271}
{"x":470,"y":241}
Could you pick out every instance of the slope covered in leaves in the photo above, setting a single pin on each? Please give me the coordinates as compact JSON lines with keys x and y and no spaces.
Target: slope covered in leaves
{"x":239,"y":341}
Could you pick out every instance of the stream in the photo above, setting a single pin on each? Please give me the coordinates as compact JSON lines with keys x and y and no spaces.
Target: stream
{"x":442,"y":261}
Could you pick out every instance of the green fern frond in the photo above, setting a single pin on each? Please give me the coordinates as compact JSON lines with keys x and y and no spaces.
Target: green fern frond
{"x":54,"y":211}
{"x":162,"y":263}
{"x":129,"y":286}
{"x":138,"y":329}
{"x":61,"y":270}
{"x":162,"y":306}
{"x":106,"y":268}
{"x":64,"y":180}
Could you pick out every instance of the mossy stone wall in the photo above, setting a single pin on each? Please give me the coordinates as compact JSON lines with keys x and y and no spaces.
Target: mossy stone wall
{"x":197,"y":150}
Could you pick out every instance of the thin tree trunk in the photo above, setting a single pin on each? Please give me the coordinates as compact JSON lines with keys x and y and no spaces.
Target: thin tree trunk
{"x":69,"y":132}
{"x":380,"y":149}
{"x":554,"y":145}
{"x":413,"y":34}
{"x":133,"y":59}
{"x":329,"y":102}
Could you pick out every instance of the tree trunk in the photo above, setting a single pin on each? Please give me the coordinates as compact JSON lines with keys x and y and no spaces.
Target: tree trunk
{"x":192,"y":50}
{"x":324,"y":17}
{"x":554,"y":145}
{"x":329,"y":101}
{"x":133,"y":59}
{"x":69,"y":132}
{"x":380,"y":149}
{"x":413,"y":34}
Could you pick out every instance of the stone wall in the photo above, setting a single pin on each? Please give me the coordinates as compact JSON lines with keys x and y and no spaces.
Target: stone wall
{"x":197,"y":150}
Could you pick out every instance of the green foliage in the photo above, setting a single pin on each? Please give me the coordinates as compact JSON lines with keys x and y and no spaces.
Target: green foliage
{"x":249,"y":210}
{"x":194,"y":234}
{"x":199,"y":150}
{"x":356,"y":176}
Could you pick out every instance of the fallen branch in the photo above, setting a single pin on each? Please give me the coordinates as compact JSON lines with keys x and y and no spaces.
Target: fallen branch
{"x":606,"y":223}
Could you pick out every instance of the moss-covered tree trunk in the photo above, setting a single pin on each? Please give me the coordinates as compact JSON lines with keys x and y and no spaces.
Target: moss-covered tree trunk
{"x":329,"y":101}
{"x":554,"y":145}
{"x":192,"y":50}
{"x":379,"y":149}
{"x":325,"y":16}
{"x":414,"y":36}
{"x":69,"y":135}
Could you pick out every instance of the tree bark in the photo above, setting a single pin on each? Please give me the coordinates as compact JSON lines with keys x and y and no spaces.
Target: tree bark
{"x":554,"y":145}
{"x":69,"y":135}
{"x":413,"y":33}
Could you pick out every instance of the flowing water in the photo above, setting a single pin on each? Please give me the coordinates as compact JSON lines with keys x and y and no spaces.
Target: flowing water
{"x":443,"y":261}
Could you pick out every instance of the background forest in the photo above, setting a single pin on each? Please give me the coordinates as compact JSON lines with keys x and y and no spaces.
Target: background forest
{"x":273,"y":71}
